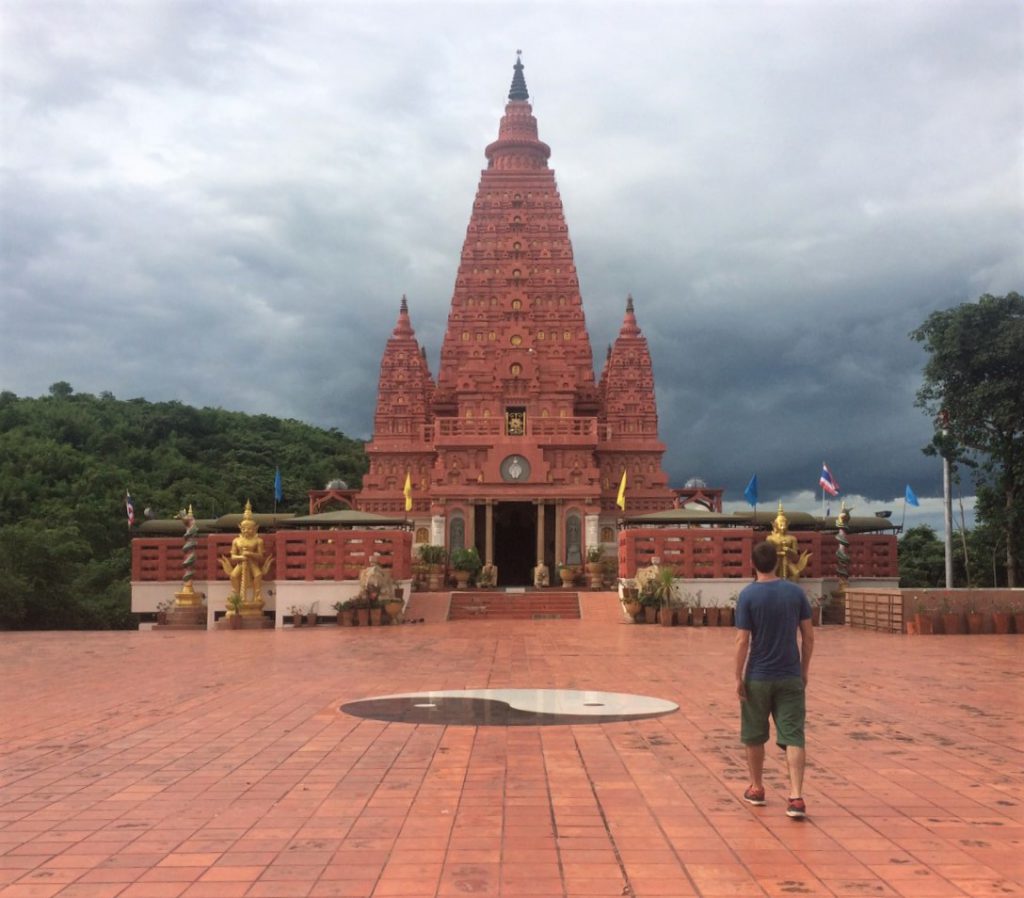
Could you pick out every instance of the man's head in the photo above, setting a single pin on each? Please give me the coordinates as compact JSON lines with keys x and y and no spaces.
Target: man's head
{"x":764,"y":558}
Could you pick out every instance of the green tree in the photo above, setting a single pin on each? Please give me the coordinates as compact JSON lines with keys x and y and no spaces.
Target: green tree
{"x":974,"y":380}
{"x":67,"y":458}
{"x":922,"y":558}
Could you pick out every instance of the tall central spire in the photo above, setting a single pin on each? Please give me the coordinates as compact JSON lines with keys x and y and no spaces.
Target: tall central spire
{"x":518,"y":90}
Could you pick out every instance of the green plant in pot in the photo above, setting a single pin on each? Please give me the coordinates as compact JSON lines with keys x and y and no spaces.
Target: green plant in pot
{"x":649,"y":601}
{"x":663,"y":582}
{"x":234,"y":606}
{"x":466,"y":563}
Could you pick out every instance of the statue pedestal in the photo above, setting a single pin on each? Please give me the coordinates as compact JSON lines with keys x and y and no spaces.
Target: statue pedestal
{"x":188,"y":613}
{"x":245,"y":622}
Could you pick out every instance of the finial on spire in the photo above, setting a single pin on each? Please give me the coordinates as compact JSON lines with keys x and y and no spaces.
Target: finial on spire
{"x":518,"y":90}
{"x":405,"y":305}
{"x":629,"y":302}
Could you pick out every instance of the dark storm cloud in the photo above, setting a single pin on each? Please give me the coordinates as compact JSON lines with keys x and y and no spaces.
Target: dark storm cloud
{"x":223,"y":204}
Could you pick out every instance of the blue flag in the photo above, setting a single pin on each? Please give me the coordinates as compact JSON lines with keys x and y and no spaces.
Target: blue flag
{"x":910,"y":497}
{"x":750,"y":493}
{"x":278,"y":494}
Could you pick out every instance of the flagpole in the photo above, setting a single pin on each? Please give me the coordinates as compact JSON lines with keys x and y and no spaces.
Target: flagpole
{"x":903,"y":518}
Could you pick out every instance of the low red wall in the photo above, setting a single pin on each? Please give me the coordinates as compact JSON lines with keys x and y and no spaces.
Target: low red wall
{"x":935,"y":602}
{"x":706,"y":552}
{"x":298,"y":555}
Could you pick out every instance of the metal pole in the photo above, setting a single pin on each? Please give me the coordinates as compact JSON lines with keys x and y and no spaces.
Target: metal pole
{"x":947,"y":510}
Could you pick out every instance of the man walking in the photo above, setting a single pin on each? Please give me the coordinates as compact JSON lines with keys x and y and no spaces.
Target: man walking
{"x":771,"y":673}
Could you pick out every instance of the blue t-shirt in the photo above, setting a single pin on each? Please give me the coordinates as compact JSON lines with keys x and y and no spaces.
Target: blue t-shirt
{"x":772,"y":611}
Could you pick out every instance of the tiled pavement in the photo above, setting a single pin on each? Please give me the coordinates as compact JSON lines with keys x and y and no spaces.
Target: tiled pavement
{"x":153,"y":764}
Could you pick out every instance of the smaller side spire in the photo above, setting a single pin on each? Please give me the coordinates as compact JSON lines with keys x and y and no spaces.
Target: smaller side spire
{"x":518,"y":90}
{"x":403,"y":327}
{"x":629,"y":325}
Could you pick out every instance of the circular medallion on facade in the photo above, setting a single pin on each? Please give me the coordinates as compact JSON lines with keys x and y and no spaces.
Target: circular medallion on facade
{"x":516,"y":469}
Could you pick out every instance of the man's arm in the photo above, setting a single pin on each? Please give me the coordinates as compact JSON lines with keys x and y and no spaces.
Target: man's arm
{"x":742,"y":650}
{"x":806,"y":647}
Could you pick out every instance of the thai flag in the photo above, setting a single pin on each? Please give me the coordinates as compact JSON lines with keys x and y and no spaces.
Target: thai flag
{"x":827,"y":481}
{"x":129,"y":508}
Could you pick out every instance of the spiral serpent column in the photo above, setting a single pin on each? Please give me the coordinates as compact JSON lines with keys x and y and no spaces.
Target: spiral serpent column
{"x":187,"y":596}
{"x":842,"y":553}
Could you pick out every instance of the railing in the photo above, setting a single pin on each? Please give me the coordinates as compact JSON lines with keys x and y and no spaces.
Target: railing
{"x":698,"y":552}
{"x":298,"y":555}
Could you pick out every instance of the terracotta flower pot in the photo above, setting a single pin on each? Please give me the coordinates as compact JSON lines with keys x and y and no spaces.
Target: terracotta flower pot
{"x":924,"y":622}
{"x":696,"y":617}
{"x":650,"y":614}
{"x":665,"y":616}
{"x":1018,"y":621}
{"x":725,"y":617}
{"x":952,"y":623}
{"x":1001,"y":622}
{"x":975,"y":622}
{"x":712,"y":615}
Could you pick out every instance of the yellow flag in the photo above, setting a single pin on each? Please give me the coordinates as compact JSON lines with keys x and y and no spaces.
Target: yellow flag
{"x":407,"y":491}
{"x":621,"y":500}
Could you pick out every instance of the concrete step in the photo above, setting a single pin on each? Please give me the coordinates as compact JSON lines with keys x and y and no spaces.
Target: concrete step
{"x":533,"y":605}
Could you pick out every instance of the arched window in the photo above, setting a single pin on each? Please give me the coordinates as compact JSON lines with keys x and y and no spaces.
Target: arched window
{"x":573,"y":539}
{"x":457,"y":533}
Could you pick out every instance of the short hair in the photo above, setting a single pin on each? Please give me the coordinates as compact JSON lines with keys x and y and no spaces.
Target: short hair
{"x":764,"y":557}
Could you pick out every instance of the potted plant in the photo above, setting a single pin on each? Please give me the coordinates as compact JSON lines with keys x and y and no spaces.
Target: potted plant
{"x":975,"y":618}
{"x":371,"y":604}
{"x":345,"y":613}
{"x":696,"y":611}
{"x":728,"y":610}
{"x":466,"y":564}
{"x":663,"y":590}
{"x":566,"y":574}
{"x":649,"y":601}
{"x":298,"y":613}
{"x":1001,"y":621}
{"x":394,"y":607}
{"x":162,"y":609}
{"x":1017,"y":610}
{"x":234,"y":615}
{"x":313,"y":614}
{"x":952,"y":621}
{"x":434,"y":558}
{"x":923,"y":619}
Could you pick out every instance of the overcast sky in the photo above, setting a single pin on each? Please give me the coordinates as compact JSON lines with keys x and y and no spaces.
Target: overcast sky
{"x":223,"y":203}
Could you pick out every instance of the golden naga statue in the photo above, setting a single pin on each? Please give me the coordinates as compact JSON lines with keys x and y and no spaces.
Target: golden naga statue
{"x":248,"y":562}
{"x":791,"y":562}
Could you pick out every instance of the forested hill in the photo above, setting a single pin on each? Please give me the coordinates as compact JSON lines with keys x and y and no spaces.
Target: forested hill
{"x":67,"y":459}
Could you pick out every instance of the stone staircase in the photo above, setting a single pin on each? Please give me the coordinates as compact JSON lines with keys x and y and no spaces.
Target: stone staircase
{"x":535,"y":604}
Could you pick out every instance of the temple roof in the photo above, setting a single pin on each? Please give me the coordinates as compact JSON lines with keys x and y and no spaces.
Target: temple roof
{"x":518,"y":90}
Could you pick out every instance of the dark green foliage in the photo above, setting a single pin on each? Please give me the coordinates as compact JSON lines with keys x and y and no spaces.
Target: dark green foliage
{"x":922,"y":558}
{"x":67,"y":459}
{"x":975,"y":375}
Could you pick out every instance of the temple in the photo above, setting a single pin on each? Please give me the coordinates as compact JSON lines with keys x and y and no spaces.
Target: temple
{"x":516,"y":448}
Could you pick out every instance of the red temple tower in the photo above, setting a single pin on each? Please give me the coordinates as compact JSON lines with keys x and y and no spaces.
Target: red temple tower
{"x":516,"y":449}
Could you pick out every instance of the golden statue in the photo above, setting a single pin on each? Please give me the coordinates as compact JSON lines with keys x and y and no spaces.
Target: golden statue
{"x":646,"y":578}
{"x":541,"y":576}
{"x":791,"y":562}
{"x":247,"y":564}
{"x":376,"y":579}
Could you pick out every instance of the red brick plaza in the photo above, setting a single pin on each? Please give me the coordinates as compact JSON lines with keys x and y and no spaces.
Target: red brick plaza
{"x":217,"y":763}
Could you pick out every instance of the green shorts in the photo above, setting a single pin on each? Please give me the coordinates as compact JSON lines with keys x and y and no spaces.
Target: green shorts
{"x":783,"y":701}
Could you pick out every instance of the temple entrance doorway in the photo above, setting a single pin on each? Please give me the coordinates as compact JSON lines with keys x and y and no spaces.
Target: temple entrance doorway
{"x":515,"y":542}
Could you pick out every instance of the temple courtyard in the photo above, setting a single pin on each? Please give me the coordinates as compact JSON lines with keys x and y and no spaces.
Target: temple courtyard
{"x":218,"y":763}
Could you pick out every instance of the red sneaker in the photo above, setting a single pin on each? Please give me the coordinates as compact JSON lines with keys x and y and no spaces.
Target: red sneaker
{"x":754,"y":796}
{"x":796,"y":808}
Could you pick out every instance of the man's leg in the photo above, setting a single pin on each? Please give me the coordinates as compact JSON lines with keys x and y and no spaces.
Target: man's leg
{"x":755,"y":764}
{"x":795,"y":758}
